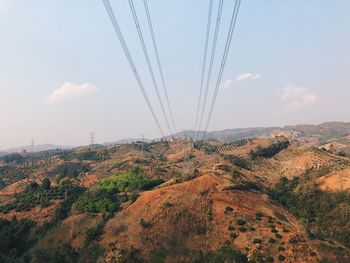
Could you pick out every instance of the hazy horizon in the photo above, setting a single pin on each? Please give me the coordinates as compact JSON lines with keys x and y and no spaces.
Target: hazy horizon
{"x":63,"y":73}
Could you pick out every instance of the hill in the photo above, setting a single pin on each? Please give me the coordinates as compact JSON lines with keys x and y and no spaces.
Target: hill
{"x":35,"y":148}
{"x":268,"y":199}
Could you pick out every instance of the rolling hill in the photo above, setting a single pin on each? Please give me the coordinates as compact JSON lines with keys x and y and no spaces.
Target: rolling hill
{"x":272,"y":198}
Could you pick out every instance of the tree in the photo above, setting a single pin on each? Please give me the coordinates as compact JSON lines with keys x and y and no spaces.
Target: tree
{"x":46,"y":184}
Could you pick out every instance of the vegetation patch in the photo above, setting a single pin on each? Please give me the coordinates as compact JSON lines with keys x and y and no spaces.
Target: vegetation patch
{"x":128,"y":181}
{"x":324,"y":214}
{"x":270,"y":151}
{"x":238,"y":161}
{"x":100,"y":201}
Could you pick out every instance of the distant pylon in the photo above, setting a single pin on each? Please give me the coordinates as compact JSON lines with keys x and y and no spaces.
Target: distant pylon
{"x":92,"y":137}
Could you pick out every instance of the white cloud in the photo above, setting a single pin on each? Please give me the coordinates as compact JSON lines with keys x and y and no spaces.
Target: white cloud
{"x":241,"y":77}
{"x":227,"y":84}
{"x":298,"y":97}
{"x":69,"y":90}
{"x":247,"y":76}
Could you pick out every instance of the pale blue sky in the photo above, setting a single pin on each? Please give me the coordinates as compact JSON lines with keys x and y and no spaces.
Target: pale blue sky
{"x":297,"y":52}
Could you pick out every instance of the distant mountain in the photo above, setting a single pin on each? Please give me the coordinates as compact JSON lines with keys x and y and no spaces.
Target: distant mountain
{"x":324,"y":131}
{"x":36,"y":148}
{"x":125,"y":141}
{"x":3,"y":153}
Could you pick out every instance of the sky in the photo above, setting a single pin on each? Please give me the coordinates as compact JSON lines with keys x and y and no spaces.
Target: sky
{"x":63,"y":73}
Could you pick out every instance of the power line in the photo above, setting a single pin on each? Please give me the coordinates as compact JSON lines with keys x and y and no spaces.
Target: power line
{"x":149,"y":65}
{"x":130,"y":60}
{"x":223,"y":61}
{"x":204,"y":60}
{"x":216,"y":33}
{"x":159,"y":63}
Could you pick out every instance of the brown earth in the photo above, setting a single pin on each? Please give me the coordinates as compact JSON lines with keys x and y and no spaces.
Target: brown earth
{"x":335,"y":181}
{"x":191,"y":216}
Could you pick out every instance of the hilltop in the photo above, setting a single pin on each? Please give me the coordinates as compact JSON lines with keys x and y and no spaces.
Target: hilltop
{"x":282,"y":196}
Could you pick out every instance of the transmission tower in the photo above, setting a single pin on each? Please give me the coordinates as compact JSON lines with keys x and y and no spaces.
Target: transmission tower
{"x":92,"y":138}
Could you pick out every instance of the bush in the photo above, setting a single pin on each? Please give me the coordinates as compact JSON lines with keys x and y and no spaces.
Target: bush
{"x":157,"y":256}
{"x":313,"y":254}
{"x":46,"y":184}
{"x":323,"y":212}
{"x":259,"y":214}
{"x":238,"y":161}
{"x":99,"y":202}
{"x":224,"y":254}
{"x":128,"y":181}
{"x":281,"y":258}
{"x":257,"y":241}
{"x":342,"y":154}
{"x":278,"y":236}
{"x":144,"y":224}
{"x":92,"y":234}
{"x":241,"y":222}
{"x":269,"y":151}
{"x":272,"y":240}
{"x":14,"y":236}
{"x":233,"y":235}
{"x":242,"y":229}
{"x":285,"y":230}
{"x":133,"y":197}
{"x":231,"y":228}
{"x":228,"y":209}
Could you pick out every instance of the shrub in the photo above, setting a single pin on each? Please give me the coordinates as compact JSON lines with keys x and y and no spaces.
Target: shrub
{"x":133,"y":197}
{"x":269,"y":151}
{"x":342,"y":154}
{"x":14,"y":236}
{"x":157,"y":256}
{"x":145,"y":224}
{"x":233,"y":235}
{"x":259,"y":214}
{"x":46,"y":184}
{"x":92,"y":234}
{"x":241,"y":222}
{"x":231,"y":228}
{"x":281,"y":258}
{"x":274,"y":230}
{"x":99,"y":202}
{"x":238,"y":161}
{"x":269,"y":259}
{"x":242,"y":229}
{"x":257,"y":241}
{"x":281,"y":249}
{"x":272,"y":240}
{"x":322,"y":211}
{"x":224,"y":254}
{"x":168,"y":205}
{"x":228,"y":209}
{"x":128,"y":181}
{"x":293,"y":240}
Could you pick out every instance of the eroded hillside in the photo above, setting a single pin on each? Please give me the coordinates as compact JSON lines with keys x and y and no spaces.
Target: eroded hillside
{"x":268,"y":199}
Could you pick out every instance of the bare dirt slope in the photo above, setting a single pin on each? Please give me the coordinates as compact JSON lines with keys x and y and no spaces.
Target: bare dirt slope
{"x":201,"y":215}
{"x":335,"y":181}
